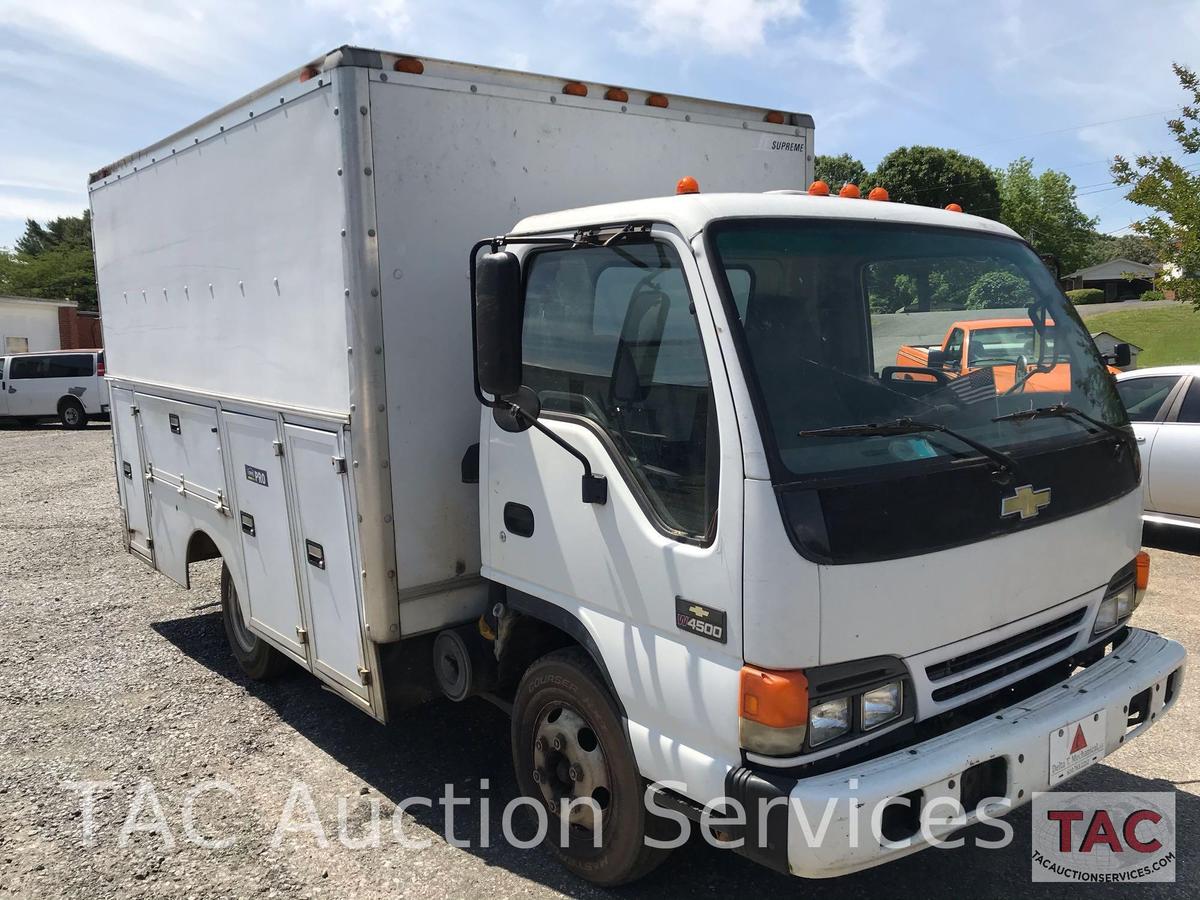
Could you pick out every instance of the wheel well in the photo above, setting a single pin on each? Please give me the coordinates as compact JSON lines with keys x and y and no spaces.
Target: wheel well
{"x":199,"y":548}
{"x":538,"y":628}
{"x":67,"y":398}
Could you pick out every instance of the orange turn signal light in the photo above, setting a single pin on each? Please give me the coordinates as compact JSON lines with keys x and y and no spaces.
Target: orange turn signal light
{"x":410,"y":65}
{"x":617,"y":95}
{"x":658,"y":100}
{"x":878,"y":193}
{"x":953,"y":207}
{"x":774,"y":697}
{"x":309,"y":72}
{"x":851,"y":191}
{"x":774,"y":117}
{"x":1142,"y":564}
{"x":575,"y":88}
{"x":687,"y":185}
{"x":819,"y":188}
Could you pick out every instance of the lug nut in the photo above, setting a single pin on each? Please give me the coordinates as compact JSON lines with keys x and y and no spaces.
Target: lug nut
{"x":538,"y":776}
{"x":558,"y":743}
{"x":575,"y":773}
{"x":540,"y":745}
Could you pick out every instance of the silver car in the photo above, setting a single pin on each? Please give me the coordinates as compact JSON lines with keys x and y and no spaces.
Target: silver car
{"x":1164,"y":407}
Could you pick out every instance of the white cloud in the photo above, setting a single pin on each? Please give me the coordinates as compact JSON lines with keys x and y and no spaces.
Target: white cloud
{"x":876,"y":47}
{"x":734,"y":27}
{"x":180,"y":39}
{"x":17,"y":208}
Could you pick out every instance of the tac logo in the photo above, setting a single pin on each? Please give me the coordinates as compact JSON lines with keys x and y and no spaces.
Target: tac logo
{"x":1103,"y":837}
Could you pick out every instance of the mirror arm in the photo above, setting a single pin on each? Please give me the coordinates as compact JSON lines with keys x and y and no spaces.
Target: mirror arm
{"x":594,"y":488}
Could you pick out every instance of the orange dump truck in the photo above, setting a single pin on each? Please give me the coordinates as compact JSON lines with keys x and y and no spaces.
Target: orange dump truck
{"x":1003,"y":345}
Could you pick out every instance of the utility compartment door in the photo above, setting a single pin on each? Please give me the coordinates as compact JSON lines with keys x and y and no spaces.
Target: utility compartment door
{"x":131,"y":474}
{"x":326,"y":557}
{"x":273,"y":594}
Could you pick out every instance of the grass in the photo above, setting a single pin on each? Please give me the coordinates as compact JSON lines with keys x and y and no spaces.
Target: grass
{"x":1168,"y":335}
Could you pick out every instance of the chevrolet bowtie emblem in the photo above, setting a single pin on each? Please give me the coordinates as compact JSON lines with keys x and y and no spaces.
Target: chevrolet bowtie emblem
{"x":698,"y":611}
{"x":1025,"y":502}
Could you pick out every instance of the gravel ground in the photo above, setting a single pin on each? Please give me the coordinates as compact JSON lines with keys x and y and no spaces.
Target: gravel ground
{"x":111,"y":673}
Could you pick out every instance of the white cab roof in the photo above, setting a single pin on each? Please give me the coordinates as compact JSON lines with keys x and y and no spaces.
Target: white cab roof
{"x":690,"y":213}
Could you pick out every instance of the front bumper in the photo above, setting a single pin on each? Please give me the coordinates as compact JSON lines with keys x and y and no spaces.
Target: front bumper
{"x":933,"y":771}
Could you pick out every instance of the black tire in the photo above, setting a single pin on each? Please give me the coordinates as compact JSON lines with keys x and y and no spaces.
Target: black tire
{"x":566,"y":685}
{"x":258,"y":659}
{"x":71,"y":414}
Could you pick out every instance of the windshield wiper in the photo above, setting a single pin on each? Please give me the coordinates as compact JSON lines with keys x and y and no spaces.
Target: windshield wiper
{"x":1063,"y":411}
{"x":905,"y":425}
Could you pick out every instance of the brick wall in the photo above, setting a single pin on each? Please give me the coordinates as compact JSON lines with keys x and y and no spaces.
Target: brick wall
{"x":78,"y":330}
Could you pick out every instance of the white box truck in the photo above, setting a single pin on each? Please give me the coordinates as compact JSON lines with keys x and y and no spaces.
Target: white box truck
{"x":704,"y":537}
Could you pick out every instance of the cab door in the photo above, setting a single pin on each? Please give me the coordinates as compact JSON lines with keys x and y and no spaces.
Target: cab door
{"x":615,"y":349}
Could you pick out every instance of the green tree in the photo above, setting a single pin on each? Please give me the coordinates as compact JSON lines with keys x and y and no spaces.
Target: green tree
{"x":841,"y":169}
{"x":1122,"y":246}
{"x":53,"y":261}
{"x":1172,"y":190}
{"x":998,"y":290}
{"x":934,"y":176}
{"x":1041,"y":208}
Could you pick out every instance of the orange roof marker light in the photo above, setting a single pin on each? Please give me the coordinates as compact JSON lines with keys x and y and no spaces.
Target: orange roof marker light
{"x":878,"y":193}
{"x":309,"y":72}
{"x":774,"y":117}
{"x":687,"y":185}
{"x":575,"y":88}
{"x":617,"y":95}
{"x":410,"y":65}
{"x":658,"y":100}
{"x":953,"y":207}
{"x":819,"y":188}
{"x":851,"y":191}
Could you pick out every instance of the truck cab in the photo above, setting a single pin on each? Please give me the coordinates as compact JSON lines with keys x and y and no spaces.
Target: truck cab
{"x":741,"y":552}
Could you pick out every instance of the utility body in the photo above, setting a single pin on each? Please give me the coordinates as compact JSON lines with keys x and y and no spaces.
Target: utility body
{"x":628,"y":468}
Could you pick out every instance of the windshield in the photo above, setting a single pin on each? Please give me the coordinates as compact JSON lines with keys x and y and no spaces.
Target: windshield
{"x":849,"y":323}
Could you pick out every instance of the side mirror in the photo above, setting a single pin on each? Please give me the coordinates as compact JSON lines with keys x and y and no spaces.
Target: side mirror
{"x":1122,"y":356}
{"x":498,"y":323}
{"x":937,"y":359}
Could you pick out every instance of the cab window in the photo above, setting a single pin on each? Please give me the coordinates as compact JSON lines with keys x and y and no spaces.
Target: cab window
{"x":610,"y":335}
{"x":954,"y":348}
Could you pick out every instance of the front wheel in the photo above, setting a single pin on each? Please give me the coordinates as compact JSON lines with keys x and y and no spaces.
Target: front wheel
{"x":256,"y":657}
{"x":571,"y":754}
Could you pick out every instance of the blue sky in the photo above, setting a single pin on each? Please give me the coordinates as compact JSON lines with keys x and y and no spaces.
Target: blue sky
{"x":83,"y":82}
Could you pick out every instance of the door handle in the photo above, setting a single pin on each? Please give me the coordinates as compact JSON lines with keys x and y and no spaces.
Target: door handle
{"x":316,"y":554}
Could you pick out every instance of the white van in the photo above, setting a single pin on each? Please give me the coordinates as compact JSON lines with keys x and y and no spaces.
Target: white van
{"x":63,"y":384}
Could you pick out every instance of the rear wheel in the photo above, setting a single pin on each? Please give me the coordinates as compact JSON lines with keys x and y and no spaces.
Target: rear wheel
{"x":258,"y":659}
{"x":71,"y":414}
{"x":568,"y":745}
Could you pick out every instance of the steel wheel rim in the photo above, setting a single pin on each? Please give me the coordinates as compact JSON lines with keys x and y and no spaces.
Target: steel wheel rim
{"x":71,"y":414}
{"x":569,"y":764}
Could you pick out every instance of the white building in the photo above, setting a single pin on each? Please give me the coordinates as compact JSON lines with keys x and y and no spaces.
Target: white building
{"x":30,"y":324}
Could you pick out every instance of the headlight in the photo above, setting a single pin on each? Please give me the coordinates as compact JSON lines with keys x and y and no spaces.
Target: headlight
{"x":1121,"y":598}
{"x":881,"y":705}
{"x":778,"y":718}
{"x":828,"y":720}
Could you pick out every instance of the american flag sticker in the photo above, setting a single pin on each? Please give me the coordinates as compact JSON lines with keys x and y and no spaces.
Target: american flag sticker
{"x":975,"y":386}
